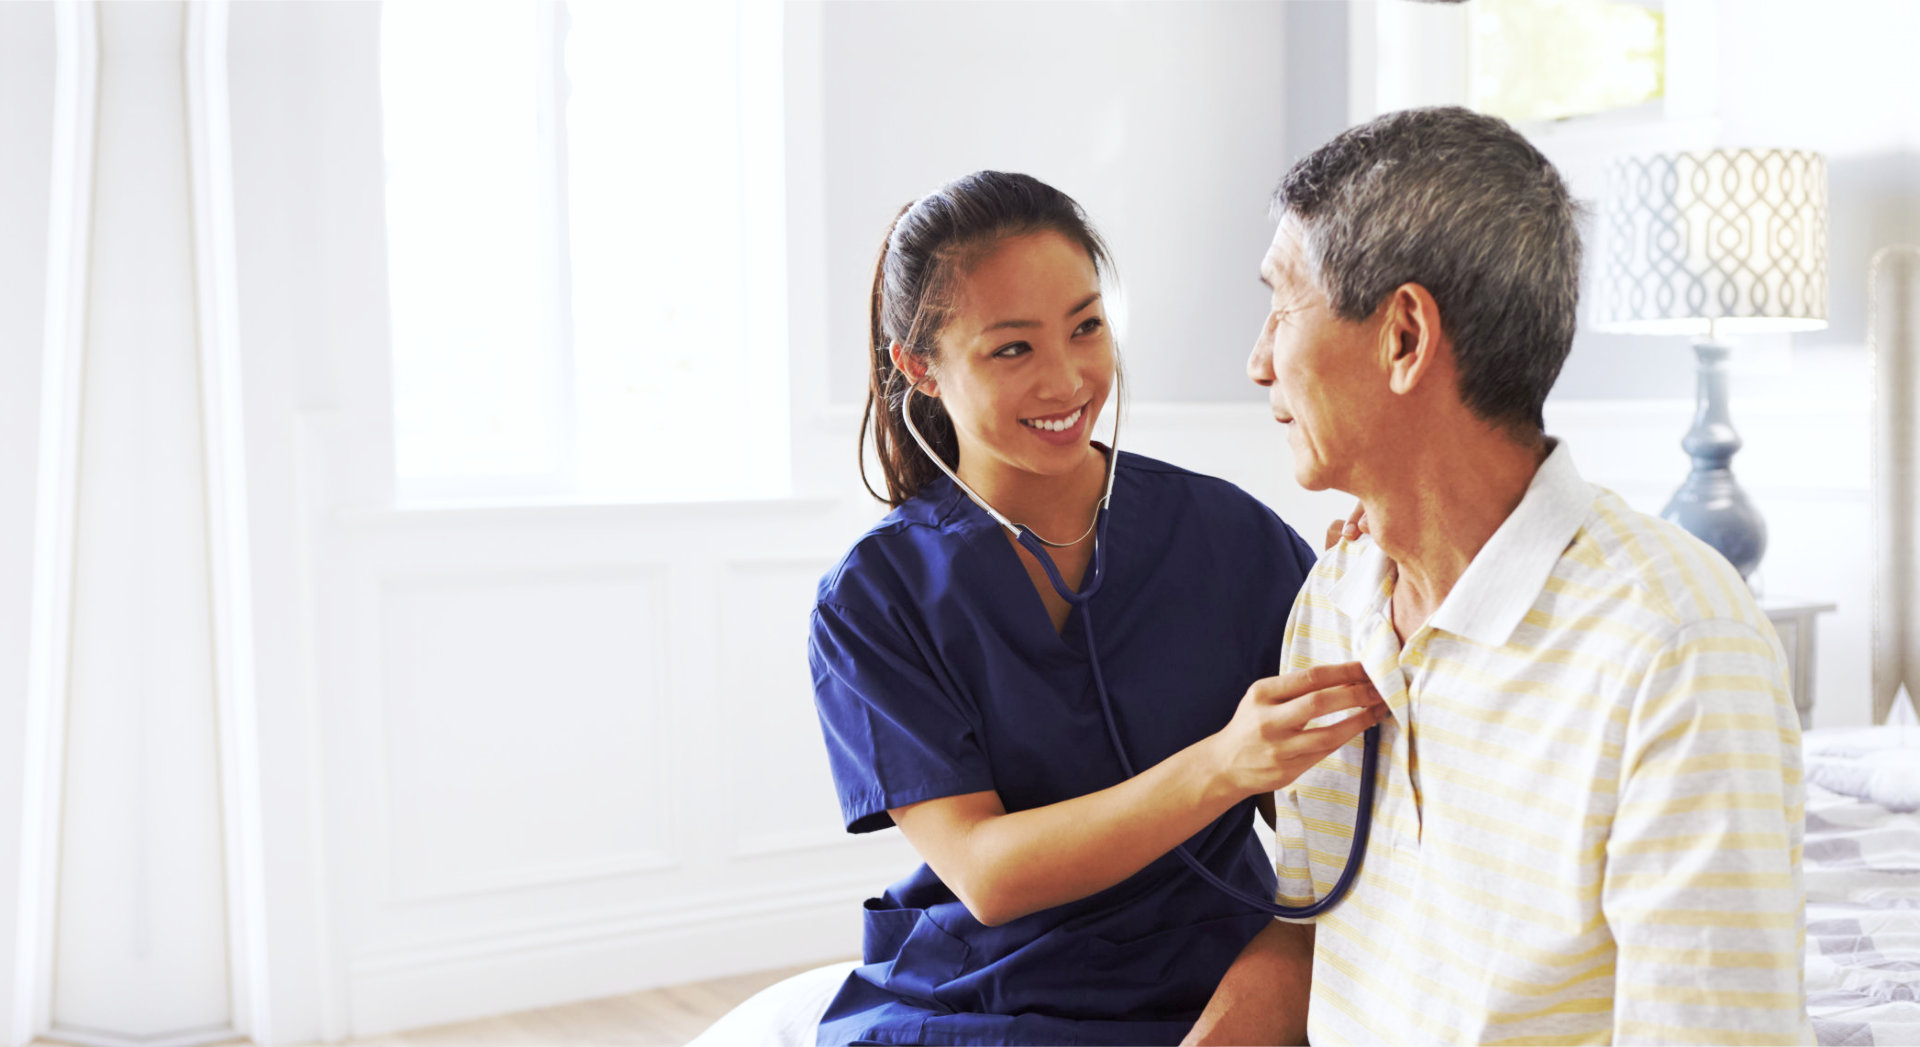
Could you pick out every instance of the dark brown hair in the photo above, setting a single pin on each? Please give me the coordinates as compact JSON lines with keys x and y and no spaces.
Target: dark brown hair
{"x":931,"y":244}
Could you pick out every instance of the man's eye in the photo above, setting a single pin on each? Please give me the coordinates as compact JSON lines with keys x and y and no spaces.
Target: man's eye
{"x":1012,"y":349}
{"x":1092,"y":324}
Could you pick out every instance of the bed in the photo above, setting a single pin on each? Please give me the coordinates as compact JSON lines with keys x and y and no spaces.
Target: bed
{"x":1862,"y":872}
{"x":1862,"y":863}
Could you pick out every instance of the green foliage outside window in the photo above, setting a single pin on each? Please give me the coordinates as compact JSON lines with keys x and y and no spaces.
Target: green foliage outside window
{"x":1551,"y":59}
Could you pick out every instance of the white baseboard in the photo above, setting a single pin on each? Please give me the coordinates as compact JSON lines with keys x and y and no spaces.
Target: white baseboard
{"x":66,"y":1034}
{"x":544,"y":966}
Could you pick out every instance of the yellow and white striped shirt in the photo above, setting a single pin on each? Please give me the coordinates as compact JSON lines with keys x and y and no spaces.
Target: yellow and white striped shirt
{"x":1588,"y":804}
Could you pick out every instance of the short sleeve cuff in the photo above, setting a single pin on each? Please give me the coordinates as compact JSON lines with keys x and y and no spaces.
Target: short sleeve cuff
{"x":866,"y":810}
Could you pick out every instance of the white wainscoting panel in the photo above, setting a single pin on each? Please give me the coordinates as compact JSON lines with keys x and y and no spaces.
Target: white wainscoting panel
{"x":524,"y":717}
{"x":573,"y":754}
{"x":776,"y":760}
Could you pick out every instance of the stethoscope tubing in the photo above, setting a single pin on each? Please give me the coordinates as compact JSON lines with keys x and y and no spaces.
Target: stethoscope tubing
{"x":1369,"y":760}
{"x":1081,"y":600}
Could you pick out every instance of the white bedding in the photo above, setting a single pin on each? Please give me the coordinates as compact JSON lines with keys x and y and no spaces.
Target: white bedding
{"x":785,"y":1014}
{"x":1863,"y":884}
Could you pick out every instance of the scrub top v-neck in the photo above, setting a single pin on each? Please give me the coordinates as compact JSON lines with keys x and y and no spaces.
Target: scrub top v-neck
{"x":937,"y":672}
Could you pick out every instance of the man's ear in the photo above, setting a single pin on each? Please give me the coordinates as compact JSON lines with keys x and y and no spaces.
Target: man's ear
{"x":915,"y":369}
{"x":1411,"y":341}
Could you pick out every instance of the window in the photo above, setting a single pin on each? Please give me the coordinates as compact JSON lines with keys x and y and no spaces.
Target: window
{"x":586,"y":249}
{"x":1539,"y":60}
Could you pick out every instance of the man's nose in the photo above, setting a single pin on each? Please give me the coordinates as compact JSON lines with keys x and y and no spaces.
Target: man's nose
{"x":1260,"y":362}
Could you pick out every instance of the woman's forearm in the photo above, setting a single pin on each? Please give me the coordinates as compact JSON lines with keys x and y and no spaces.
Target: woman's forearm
{"x":1004,"y":866}
{"x":1035,"y":859}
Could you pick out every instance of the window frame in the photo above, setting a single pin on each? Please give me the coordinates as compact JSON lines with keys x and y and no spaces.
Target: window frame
{"x":1431,"y":63}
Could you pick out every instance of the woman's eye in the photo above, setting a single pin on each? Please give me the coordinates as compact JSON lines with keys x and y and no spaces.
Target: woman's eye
{"x":1092,"y":324}
{"x":1011,"y":350}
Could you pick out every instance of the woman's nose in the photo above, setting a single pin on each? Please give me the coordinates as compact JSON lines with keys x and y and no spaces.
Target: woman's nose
{"x":1064,"y":377}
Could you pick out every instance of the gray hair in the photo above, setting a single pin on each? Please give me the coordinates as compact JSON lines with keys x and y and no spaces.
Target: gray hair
{"x":1463,"y":205}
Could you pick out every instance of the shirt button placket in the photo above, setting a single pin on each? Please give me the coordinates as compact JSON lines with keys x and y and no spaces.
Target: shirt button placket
{"x":1381,"y":657}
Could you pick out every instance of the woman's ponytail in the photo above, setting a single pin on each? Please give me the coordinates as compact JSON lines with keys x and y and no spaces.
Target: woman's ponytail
{"x":903,"y":464}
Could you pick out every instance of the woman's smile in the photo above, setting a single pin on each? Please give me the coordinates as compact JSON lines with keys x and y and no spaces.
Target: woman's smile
{"x":1058,"y":428}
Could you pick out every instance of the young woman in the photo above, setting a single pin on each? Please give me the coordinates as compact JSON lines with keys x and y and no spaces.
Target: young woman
{"x":954,"y":680}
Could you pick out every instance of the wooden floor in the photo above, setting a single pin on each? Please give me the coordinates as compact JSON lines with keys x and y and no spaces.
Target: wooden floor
{"x":672,"y":1015}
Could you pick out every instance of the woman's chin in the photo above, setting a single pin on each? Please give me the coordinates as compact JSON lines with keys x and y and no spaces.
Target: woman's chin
{"x":1058,"y":462}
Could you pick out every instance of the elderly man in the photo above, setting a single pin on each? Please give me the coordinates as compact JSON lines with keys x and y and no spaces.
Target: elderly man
{"x":1589,"y":811}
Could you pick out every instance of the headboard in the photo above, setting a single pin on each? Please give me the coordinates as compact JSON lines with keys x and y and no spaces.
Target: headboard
{"x":1894,"y":335}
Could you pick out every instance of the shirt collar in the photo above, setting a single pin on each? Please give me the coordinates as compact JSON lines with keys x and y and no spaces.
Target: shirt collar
{"x":1506,"y":576}
{"x":1363,"y":588}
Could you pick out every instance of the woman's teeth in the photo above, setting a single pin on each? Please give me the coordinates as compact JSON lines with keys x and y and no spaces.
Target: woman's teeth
{"x":1060,"y":426}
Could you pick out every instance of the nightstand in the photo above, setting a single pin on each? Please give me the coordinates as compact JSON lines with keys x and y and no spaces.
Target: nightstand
{"x":1794,"y":621}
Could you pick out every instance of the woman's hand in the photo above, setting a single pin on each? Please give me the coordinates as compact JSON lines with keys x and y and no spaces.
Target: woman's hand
{"x":1268,"y":743}
{"x":1006,"y":865}
{"x":1350,"y":528}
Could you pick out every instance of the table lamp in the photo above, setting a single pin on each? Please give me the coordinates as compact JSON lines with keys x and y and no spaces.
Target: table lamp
{"x":1712,"y":243}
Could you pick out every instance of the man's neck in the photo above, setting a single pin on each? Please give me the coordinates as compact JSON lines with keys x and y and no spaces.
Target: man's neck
{"x":1437,"y":508}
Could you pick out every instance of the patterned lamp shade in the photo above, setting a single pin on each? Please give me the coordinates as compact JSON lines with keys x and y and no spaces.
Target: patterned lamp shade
{"x":1722,"y":241}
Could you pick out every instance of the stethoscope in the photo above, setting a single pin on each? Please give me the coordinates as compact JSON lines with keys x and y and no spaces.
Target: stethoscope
{"x":1033,"y":543}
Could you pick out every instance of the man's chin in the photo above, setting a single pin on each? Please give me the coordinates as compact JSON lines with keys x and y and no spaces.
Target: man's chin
{"x":1311,"y":479}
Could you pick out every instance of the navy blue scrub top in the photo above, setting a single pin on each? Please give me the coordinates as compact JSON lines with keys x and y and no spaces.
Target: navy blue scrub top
{"x":937,"y":672}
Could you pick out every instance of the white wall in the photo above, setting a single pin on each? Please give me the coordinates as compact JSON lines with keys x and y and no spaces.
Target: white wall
{"x":1841,"y":82}
{"x":1164,"y":120}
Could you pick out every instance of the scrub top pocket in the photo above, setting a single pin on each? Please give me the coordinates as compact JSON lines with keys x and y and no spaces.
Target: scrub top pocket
{"x":923,"y":957}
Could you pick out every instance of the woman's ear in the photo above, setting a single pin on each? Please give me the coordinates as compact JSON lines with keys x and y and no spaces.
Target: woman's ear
{"x":915,"y":368}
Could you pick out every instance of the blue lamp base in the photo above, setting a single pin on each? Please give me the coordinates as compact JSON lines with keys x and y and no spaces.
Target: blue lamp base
{"x":1710,"y":504}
